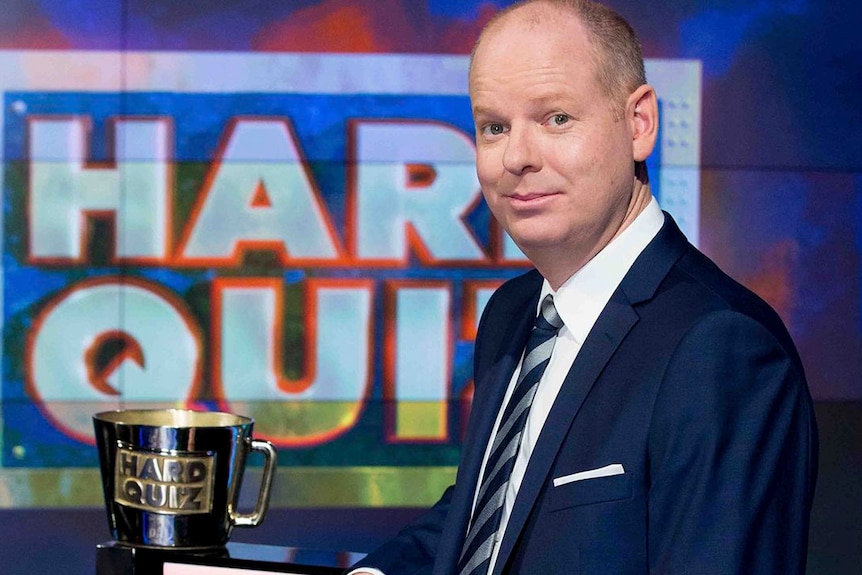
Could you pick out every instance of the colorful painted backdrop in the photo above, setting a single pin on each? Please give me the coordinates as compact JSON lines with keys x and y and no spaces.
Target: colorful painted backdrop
{"x":255,"y":207}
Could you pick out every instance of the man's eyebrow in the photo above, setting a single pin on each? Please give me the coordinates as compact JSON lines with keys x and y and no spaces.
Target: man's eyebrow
{"x":483,"y":111}
{"x":550,"y":99}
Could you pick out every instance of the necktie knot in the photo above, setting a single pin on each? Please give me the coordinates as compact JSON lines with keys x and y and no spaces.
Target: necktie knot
{"x":548,"y":318}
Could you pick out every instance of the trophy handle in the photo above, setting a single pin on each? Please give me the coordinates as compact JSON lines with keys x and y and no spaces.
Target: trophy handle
{"x":270,"y":459}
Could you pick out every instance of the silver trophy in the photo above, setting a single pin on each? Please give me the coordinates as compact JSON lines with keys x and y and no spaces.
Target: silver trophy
{"x":172,"y":477}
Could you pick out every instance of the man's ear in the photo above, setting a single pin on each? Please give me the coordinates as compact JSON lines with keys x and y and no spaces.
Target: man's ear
{"x":642,"y":114}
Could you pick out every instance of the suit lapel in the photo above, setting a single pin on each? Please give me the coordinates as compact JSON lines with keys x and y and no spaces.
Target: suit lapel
{"x":489,"y":394}
{"x":612,"y":326}
{"x":610,"y":329}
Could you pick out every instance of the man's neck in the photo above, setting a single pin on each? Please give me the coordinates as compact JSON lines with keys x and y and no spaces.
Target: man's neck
{"x":557,"y":268}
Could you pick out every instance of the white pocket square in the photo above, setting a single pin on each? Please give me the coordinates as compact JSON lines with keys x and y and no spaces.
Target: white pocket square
{"x":606,"y":471}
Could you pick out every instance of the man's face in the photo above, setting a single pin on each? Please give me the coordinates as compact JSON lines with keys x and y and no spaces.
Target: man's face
{"x":555,"y":165}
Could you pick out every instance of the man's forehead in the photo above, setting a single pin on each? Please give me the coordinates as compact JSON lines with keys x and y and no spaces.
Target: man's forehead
{"x":531,"y":26}
{"x":513,"y":47}
{"x":516,"y":26}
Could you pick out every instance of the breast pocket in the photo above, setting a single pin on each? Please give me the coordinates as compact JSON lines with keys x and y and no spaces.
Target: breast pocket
{"x":590,"y":491}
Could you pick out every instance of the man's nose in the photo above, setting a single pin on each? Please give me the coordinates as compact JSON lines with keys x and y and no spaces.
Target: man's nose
{"x":522,"y":153}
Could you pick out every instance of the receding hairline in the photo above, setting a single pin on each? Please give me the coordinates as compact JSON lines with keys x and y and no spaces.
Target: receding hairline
{"x":618,"y":71}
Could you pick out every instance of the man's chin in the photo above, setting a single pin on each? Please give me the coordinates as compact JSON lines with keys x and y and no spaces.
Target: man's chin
{"x":536,"y":244}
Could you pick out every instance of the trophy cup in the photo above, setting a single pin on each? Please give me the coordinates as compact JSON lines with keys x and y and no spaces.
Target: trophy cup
{"x":172,"y":477}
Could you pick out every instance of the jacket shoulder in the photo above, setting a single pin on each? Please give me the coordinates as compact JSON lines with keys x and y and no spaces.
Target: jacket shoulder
{"x":501,"y":316}
{"x":711,"y":289}
{"x":512,"y":297}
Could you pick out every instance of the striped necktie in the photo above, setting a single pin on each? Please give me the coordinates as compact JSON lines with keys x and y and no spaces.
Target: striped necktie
{"x":485,"y":523}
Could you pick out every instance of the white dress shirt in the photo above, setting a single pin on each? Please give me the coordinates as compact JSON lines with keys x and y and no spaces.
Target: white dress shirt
{"x":579,"y":301}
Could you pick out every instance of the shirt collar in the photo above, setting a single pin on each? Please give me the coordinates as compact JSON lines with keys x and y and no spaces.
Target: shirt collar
{"x":583,"y":296}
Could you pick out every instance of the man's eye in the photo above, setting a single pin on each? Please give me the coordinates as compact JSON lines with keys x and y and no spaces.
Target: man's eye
{"x":494,"y":129}
{"x":559,"y":119}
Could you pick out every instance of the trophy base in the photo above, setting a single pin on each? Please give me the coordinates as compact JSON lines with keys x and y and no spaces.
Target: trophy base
{"x":195,"y":550}
{"x":116,"y":558}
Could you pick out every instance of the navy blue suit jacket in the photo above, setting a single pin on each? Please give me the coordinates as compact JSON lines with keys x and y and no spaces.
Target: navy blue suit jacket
{"x":692,"y":384}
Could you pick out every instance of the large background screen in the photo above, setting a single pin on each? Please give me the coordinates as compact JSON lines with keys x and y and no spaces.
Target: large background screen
{"x":271,"y":209}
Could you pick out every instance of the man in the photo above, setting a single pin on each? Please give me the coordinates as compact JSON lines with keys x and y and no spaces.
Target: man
{"x":671,"y":430}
